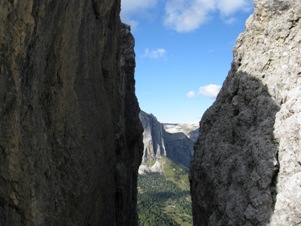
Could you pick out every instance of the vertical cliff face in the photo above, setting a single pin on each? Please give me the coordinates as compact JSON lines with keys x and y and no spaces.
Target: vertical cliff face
{"x":70,"y":135}
{"x":153,"y":140}
{"x":179,"y":148}
{"x":246,"y":169}
{"x":158,"y":142}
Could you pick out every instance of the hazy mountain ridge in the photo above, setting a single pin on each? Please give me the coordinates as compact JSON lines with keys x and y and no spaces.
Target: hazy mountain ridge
{"x":185,"y":128}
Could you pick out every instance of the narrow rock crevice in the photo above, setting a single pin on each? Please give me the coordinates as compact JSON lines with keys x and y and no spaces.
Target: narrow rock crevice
{"x":95,"y":9}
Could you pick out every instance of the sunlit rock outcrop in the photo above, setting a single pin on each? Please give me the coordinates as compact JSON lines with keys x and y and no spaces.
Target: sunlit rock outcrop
{"x":169,"y":140}
{"x":246,"y":169}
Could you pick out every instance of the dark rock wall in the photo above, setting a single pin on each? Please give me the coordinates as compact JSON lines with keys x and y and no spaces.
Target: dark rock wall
{"x":70,"y":136}
{"x":246,"y":168}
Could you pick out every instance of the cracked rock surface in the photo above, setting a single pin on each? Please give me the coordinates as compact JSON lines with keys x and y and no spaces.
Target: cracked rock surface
{"x":246,"y":167}
{"x":70,"y":135}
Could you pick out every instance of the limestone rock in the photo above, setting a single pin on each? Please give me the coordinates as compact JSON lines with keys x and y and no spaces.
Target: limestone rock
{"x":194,"y":134}
{"x":179,"y":148}
{"x":187,"y":128}
{"x":153,"y":140}
{"x":170,"y":140}
{"x":70,"y":135}
{"x":246,"y":167}
{"x":156,"y":168}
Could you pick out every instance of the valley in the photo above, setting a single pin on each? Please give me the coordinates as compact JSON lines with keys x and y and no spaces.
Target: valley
{"x":163,"y":184}
{"x":164,"y":198}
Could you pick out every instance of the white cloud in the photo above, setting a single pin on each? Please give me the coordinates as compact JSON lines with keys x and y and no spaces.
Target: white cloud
{"x":133,"y":23}
{"x":228,"y":7}
{"x":185,"y":16}
{"x":210,"y":91}
{"x":189,"y":15}
{"x":133,"y":7}
{"x":190,"y":94}
{"x":229,"y":20}
{"x":127,"y":19}
{"x":155,"y":54}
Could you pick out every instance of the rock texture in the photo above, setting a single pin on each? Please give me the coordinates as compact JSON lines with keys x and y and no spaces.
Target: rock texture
{"x":152,"y":137}
{"x":175,"y":144}
{"x":246,"y":168}
{"x":70,"y":137}
{"x":179,"y":148}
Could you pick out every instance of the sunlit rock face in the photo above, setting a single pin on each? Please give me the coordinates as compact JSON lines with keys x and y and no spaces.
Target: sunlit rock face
{"x":169,"y":140}
{"x":246,"y":168}
{"x":70,"y":135}
{"x":152,"y":137}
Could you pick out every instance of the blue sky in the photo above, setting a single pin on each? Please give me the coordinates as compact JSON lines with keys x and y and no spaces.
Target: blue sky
{"x":183,"y":52}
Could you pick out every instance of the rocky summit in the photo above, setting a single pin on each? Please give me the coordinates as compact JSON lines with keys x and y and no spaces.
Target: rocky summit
{"x":246,"y":168}
{"x":70,"y":135}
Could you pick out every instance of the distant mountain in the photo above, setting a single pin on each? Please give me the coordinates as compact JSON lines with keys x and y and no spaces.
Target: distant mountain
{"x":152,"y":137}
{"x":174,"y":141}
{"x":191,"y":130}
{"x":163,"y":186}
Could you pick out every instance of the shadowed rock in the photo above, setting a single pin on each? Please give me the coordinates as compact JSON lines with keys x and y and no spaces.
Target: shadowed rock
{"x":246,"y":167}
{"x":70,"y":137}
